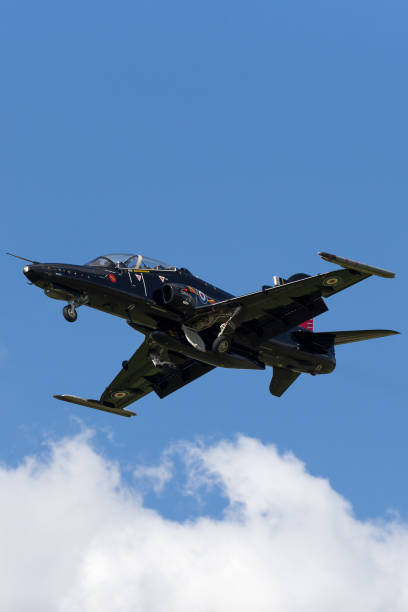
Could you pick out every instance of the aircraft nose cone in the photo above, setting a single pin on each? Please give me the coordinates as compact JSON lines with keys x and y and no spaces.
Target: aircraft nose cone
{"x":31,"y":272}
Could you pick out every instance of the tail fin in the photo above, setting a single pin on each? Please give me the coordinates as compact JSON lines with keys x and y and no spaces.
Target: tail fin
{"x":344,"y":337}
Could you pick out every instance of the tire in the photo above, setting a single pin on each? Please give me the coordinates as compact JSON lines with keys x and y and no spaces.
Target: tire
{"x":70,"y":314}
{"x":222,"y":344}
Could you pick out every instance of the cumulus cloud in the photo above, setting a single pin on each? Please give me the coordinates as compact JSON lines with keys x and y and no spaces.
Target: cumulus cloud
{"x":156,"y":475}
{"x":74,"y":537}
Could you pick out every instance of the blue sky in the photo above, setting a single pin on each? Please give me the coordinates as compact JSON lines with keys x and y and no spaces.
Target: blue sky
{"x":236,"y":139}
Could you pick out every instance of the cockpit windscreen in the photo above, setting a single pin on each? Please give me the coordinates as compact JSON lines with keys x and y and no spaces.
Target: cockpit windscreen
{"x":128,"y":261}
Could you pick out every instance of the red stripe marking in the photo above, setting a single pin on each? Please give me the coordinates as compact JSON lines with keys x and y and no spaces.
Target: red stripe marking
{"x":308,"y":325}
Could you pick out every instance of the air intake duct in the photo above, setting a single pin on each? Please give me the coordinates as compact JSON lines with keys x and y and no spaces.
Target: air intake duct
{"x":178,"y":298}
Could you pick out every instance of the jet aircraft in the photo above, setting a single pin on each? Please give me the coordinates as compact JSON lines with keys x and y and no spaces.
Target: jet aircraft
{"x":192,"y":327}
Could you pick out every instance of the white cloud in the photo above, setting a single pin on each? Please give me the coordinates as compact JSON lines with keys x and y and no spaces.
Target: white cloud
{"x":156,"y":475}
{"x":75,"y":538}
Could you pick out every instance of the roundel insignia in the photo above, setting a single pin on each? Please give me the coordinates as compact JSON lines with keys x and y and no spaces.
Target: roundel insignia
{"x":202,"y":296}
{"x":331,"y":281}
{"x":112,"y":278}
{"x":119,"y":394}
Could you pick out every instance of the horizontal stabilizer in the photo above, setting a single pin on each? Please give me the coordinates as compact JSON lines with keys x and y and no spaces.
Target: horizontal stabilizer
{"x":356,"y":265}
{"x":90,"y":403}
{"x":281,"y":380}
{"x":344,"y":337}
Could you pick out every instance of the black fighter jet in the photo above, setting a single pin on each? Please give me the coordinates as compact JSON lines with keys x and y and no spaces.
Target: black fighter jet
{"x":191,"y":326}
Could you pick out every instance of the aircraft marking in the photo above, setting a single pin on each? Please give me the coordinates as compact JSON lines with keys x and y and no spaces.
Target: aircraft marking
{"x":331,"y":281}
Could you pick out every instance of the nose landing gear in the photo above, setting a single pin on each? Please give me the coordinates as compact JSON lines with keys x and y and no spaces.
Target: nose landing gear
{"x":70,"y":313}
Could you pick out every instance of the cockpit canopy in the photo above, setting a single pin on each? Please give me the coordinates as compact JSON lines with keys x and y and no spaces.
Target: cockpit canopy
{"x":128,"y":261}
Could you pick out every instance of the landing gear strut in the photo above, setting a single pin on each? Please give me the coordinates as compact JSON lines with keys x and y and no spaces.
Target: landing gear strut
{"x":222,"y":343}
{"x":70,"y":313}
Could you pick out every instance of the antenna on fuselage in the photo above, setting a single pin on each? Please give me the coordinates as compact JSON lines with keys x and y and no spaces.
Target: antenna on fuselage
{"x":23,"y":258}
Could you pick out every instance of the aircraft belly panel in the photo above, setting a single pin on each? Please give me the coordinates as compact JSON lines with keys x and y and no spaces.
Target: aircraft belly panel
{"x":285,"y":355}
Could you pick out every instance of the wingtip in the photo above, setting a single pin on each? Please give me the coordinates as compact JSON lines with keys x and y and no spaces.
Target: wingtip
{"x":356,"y":265}
{"x":97,"y":405}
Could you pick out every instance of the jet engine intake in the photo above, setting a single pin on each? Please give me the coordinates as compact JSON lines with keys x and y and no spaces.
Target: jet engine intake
{"x":178,"y":298}
{"x":297,"y":277}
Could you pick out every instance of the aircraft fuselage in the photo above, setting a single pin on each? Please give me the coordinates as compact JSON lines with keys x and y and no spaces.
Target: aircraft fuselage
{"x":136,"y":295}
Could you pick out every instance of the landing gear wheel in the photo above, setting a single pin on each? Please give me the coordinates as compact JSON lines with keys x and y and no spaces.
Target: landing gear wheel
{"x":69,"y":312}
{"x":222,"y":344}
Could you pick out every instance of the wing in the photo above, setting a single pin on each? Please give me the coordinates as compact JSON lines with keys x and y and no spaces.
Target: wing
{"x":139,"y":377}
{"x":292,"y":303}
{"x":285,"y":306}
